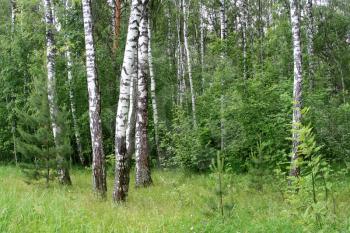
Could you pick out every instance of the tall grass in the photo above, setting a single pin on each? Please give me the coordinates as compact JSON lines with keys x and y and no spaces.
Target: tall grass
{"x":177,"y":202}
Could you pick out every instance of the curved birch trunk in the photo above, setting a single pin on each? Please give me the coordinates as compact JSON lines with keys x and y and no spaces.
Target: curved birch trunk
{"x":189,"y":65}
{"x":121,"y":185}
{"x":63,"y":172}
{"x":98,"y":157}
{"x":130,"y":130}
{"x":310,"y":42}
{"x":297,"y":87}
{"x":143,"y":171}
{"x":154,"y":98}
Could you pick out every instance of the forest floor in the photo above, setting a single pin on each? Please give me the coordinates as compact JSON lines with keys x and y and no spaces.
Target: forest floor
{"x":177,"y":202}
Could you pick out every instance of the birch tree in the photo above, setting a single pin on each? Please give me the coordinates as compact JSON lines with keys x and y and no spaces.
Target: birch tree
{"x":297,"y":87}
{"x":69,"y":63}
{"x":154,"y":97}
{"x":98,"y":157}
{"x":121,"y":184}
{"x":202,"y":29}
{"x":63,"y":172}
{"x":223,"y":36}
{"x":310,"y":41}
{"x":185,"y":12}
{"x":243,"y":22}
{"x":143,"y":171}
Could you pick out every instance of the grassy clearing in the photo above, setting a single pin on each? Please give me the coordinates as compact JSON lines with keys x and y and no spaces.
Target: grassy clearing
{"x":177,"y":202}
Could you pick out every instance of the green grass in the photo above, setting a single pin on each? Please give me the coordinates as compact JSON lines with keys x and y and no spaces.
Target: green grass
{"x":177,"y":202}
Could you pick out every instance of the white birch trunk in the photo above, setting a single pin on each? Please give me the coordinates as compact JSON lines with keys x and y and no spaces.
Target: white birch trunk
{"x":143,"y":171}
{"x":243,"y":19}
{"x":154,"y":98}
{"x":121,"y":185}
{"x":202,"y":28}
{"x":63,"y":173}
{"x":73,"y":106}
{"x":181,"y":66}
{"x":13,"y":14}
{"x":222,"y":98}
{"x":13,"y":127}
{"x":71,"y":93}
{"x":297,"y":87}
{"x":189,"y":65}
{"x":98,"y":157}
{"x":130,"y":130}
{"x":310,"y":42}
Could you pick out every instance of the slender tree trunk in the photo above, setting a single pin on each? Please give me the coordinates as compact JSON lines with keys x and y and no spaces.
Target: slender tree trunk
{"x":243,"y":19}
{"x":154,"y":98}
{"x":202,"y":28}
{"x":73,"y":106}
{"x":63,"y":172}
{"x":121,"y":185}
{"x":297,"y":88}
{"x":222,"y":98}
{"x":310,"y":42}
{"x":189,"y":65}
{"x":143,"y":170}
{"x":13,"y":98}
{"x":130,"y":129}
{"x":13,"y":14}
{"x":117,"y":22}
{"x":181,"y":66}
{"x":72,"y":95}
{"x":223,"y":29}
{"x":98,"y":157}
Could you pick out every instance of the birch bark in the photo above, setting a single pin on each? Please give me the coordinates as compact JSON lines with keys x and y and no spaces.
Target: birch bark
{"x":202,"y":29}
{"x":297,"y":87}
{"x":310,"y":42}
{"x":63,"y":172}
{"x":143,"y":171}
{"x":154,"y":98}
{"x":188,"y":56}
{"x":98,"y":157}
{"x":71,"y":93}
{"x":122,"y":169}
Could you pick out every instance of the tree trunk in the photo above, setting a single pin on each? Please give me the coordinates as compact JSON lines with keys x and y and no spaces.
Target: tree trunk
{"x":63,"y":172}
{"x":154,"y":98}
{"x":310,"y":42}
{"x":143,"y":171}
{"x":297,"y":87}
{"x":181,"y":66}
{"x":222,"y":98}
{"x":202,"y":28}
{"x":243,"y":19}
{"x":13,"y":98}
{"x":73,"y":106}
{"x":72,"y":95}
{"x":13,"y":14}
{"x":189,"y":65}
{"x":98,"y":158}
{"x":130,"y":130}
{"x":122,"y":169}
{"x":117,"y":22}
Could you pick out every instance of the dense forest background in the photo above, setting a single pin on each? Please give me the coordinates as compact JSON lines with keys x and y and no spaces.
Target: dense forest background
{"x":220,"y":91}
